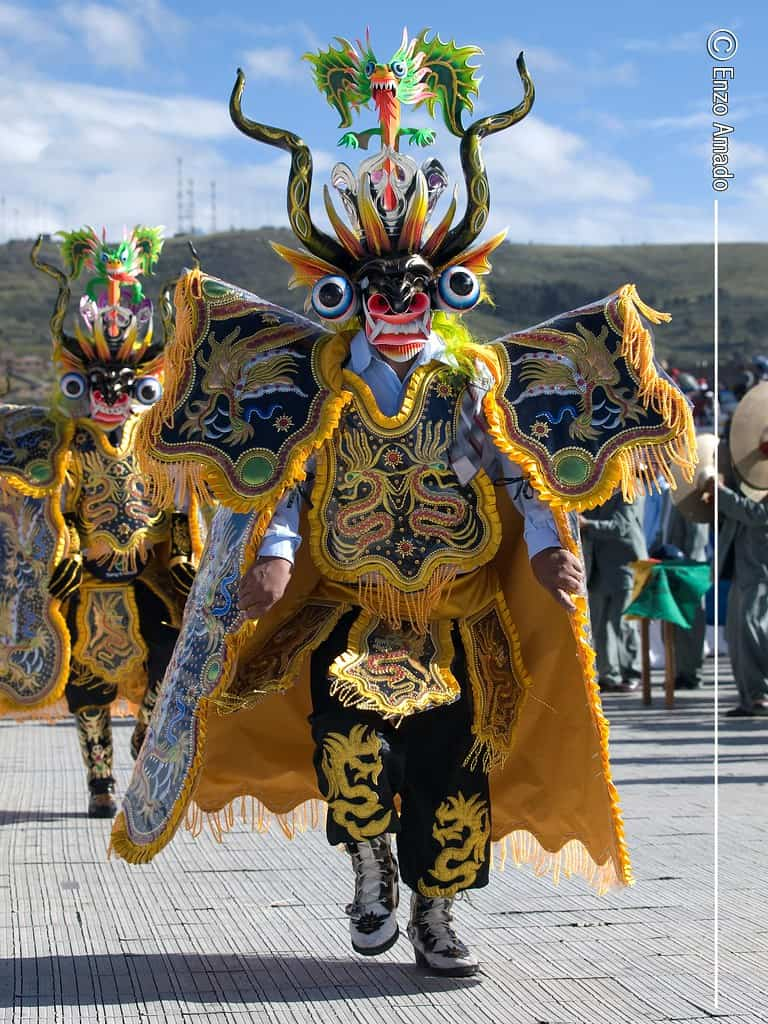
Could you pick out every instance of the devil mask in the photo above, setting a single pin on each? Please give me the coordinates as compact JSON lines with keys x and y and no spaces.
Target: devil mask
{"x":389,"y":267}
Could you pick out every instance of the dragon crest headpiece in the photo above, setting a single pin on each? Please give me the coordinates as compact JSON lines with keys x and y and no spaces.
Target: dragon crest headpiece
{"x":388,"y":265}
{"x":112,"y":366}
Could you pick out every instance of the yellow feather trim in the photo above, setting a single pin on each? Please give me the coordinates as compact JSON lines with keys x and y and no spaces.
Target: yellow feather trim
{"x":307,"y":269}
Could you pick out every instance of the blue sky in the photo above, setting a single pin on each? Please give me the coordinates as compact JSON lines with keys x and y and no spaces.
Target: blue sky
{"x":97,"y":100}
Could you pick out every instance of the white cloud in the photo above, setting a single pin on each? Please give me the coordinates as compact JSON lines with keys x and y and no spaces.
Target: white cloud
{"x":111,"y":38}
{"x":682,"y":42}
{"x":28,"y":27}
{"x":77,"y":153}
{"x":539,"y":163}
{"x":298,"y":29}
{"x":591,"y":70}
{"x":275,"y":62}
{"x":85,"y":154}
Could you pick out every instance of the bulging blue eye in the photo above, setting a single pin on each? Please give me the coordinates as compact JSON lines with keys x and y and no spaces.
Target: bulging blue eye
{"x":458,"y":288}
{"x":73,"y":385}
{"x":148,"y":390}
{"x":333,"y":298}
{"x":104,"y":257}
{"x":370,"y":67}
{"x":398,"y":68}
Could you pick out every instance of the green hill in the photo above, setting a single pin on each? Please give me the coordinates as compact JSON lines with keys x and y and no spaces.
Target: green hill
{"x":529,"y":284}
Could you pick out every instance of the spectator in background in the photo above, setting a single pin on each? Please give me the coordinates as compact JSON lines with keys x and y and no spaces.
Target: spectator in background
{"x":745,"y":381}
{"x":692,"y":540}
{"x":744,"y":543}
{"x":613,"y":537}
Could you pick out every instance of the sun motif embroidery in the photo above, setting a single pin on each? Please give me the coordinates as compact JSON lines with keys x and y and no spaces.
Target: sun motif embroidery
{"x":405,"y":548}
{"x":283,"y":423}
{"x":540,"y":429}
{"x":443,"y":389}
{"x":393,"y":458}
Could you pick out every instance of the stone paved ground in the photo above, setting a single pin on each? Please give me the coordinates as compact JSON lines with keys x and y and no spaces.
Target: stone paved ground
{"x":253,"y":930}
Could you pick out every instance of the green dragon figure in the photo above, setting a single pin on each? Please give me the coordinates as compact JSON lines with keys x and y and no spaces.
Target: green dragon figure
{"x":114,"y":265}
{"x":422,"y":71}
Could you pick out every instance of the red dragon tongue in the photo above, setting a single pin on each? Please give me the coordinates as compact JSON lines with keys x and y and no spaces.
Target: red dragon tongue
{"x":388,"y":107}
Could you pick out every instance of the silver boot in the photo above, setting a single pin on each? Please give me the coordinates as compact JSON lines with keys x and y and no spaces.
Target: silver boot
{"x":372,"y":914}
{"x":435,"y":943}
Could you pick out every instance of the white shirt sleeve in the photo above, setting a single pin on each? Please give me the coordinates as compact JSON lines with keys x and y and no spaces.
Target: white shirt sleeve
{"x":282,"y":538}
{"x":540,"y":531}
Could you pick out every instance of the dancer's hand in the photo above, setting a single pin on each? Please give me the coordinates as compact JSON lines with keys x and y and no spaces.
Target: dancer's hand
{"x":263,"y":585}
{"x":559,"y":572}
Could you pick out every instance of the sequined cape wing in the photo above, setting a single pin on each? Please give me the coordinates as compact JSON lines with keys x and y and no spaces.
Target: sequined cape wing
{"x":34,"y":641}
{"x":202,"y":664}
{"x":245,"y":405}
{"x":582,"y":404}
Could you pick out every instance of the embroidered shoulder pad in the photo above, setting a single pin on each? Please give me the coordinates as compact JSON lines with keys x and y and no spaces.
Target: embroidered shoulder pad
{"x":33,"y":449}
{"x":582,"y":404}
{"x":245,"y":406}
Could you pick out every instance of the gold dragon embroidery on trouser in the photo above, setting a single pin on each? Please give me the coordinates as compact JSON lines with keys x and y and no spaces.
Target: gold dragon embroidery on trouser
{"x":462,"y":827}
{"x":351,"y":766}
{"x":94,"y":730}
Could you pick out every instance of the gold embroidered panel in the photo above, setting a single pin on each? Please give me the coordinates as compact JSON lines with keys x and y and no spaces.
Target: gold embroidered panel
{"x":395,"y":671}
{"x":34,"y":642}
{"x":387,"y":500}
{"x":117,"y":519}
{"x":278,"y":663}
{"x":350,"y":765}
{"x":109,"y":642}
{"x":499,"y":680}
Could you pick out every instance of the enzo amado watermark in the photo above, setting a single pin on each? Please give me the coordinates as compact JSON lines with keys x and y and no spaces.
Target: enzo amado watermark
{"x":722,"y":45}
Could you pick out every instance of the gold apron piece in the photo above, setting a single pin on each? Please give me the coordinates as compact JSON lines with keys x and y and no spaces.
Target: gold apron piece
{"x":399,"y":670}
{"x":119,"y":519}
{"x":109,"y":642}
{"x":395,"y":670}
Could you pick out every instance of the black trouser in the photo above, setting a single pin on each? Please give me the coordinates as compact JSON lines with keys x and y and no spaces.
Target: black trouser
{"x":89,"y":697}
{"x":363,"y":761}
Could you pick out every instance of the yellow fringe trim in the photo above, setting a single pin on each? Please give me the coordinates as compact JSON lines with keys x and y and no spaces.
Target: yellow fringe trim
{"x":639,"y":464}
{"x":381,"y":598}
{"x":248,"y":810}
{"x":572,"y":859}
{"x":522,"y":847}
{"x":586,"y":655}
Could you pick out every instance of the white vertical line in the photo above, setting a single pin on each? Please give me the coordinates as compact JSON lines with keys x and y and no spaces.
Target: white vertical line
{"x":716,"y":763}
